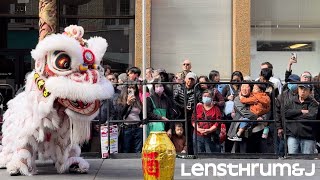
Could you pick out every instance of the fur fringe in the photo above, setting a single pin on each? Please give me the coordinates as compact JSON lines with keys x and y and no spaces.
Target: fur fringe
{"x":83,"y":165}
{"x":65,"y":88}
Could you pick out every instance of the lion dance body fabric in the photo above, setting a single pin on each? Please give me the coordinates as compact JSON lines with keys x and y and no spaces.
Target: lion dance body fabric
{"x":51,"y":118}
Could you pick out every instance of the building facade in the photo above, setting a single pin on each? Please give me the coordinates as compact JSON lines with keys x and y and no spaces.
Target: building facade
{"x":223,"y":35}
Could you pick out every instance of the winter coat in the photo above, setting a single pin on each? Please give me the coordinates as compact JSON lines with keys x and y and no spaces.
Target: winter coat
{"x":282,"y":100}
{"x":243,"y":111}
{"x":259,"y":103}
{"x":292,"y":111}
{"x":178,"y":97}
{"x":163,"y":102}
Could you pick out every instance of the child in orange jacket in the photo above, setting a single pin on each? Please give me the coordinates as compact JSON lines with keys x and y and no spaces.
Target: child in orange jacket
{"x":259,"y":102}
{"x":258,"y":99}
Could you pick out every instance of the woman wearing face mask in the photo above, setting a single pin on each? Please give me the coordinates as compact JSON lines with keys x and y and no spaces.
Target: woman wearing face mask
{"x":160,"y":107}
{"x":217,"y":98}
{"x":207,"y":136}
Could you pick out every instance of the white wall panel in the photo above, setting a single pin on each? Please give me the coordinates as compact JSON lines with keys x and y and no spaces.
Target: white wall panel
{"x":286,"y":12}
{"x":199,"y":30}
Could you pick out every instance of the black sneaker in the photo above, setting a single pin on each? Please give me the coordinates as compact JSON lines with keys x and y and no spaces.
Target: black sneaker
{"x":15,"y":173}
{"x":74,"y":169}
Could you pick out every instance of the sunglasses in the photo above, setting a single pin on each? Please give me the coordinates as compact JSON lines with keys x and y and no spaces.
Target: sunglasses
{"x":186,"y":64}
{"x":306,"y":76}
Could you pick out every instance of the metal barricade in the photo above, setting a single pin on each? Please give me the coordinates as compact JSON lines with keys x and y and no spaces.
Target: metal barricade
{"x":2,"y":101}
{"x":236,"y":155}
{"x":145,"y":121}
{"x":285,"y":121}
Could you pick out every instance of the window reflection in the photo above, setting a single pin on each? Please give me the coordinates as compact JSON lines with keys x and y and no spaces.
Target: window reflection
{"x":97,"y":7}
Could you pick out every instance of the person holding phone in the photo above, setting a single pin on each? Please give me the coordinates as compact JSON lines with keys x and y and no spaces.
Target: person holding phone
{"x":293,"y":59}
{"x":129,"y":108}
{"x":305,"y":76}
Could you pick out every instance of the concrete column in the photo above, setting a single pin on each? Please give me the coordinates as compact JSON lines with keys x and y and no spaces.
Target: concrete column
{"x":47,"y":17}
{"x":138,"y":33}
{"x":241,"y":36}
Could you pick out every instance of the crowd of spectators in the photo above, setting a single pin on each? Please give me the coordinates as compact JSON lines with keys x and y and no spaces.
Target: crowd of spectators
{"x":241,"y":99}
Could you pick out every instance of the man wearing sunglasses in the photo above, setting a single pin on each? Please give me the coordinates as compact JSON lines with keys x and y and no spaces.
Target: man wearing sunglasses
{"x":306,"y":77}
{"x":186,"y":67}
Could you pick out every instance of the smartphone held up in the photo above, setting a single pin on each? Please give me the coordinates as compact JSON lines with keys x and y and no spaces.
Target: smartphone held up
{"x":294,"y":57}
{"x":130,"y":92}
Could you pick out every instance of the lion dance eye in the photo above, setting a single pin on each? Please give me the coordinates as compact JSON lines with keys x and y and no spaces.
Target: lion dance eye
{"x":88,"y":57}
{"x":63,"y":61}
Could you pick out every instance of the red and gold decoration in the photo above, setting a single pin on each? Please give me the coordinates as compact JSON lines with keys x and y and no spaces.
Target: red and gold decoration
{"x":158,"y":157}
{"x":47,"y":17}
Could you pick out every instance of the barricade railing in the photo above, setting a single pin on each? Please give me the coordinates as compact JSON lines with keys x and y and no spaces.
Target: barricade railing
{"x":2,"y":100}
{"x":10,"y":87}
{"x":6,"y":86}
{"x":146,"y":121}
{"x":284,"y":121}
{"x":234,"y":155}
{"x":272,"y":119}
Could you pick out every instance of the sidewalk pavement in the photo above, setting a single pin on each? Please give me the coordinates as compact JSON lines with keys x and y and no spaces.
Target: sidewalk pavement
{"x":119,"y":169}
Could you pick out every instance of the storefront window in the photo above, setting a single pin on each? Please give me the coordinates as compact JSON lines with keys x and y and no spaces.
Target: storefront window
{"x":19,"y":31}
{"x":92,"y":8}
{"x":18,"y":37}
{"x":110,"y":19}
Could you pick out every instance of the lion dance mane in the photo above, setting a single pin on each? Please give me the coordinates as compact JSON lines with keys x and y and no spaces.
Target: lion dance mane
{"x":51,"y":118}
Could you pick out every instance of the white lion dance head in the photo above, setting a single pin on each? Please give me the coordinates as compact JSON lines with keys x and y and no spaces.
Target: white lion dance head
{"x":51,"y":118}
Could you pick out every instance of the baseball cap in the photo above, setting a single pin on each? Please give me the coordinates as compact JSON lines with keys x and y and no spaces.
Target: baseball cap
{"x":191,"y":75}
{"x":309,"y":86}
{"x":123,"y":77}
{"x":294,"y":78}
{"x":161,"y":70}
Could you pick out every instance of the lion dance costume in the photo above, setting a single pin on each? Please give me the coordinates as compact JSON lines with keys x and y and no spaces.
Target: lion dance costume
{"x":51,"y":118}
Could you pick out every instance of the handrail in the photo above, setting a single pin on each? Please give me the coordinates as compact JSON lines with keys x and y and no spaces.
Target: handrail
{"x":146,"y":83}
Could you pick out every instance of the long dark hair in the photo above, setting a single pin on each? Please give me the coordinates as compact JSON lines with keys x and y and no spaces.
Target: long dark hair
{"x":122,"y":99}
{"x":237,"y":73}
{"x":205,"y":77}
{"x":165,"y":87}
{"x":213,"y":74}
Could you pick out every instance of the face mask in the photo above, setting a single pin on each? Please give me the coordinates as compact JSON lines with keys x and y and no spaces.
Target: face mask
{"x":159,"y":90}
{"x":293,"y":87}
{"x":206,"y":100}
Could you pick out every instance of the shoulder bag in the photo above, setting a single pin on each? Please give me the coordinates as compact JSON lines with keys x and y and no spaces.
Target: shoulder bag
{"x":156,"y":126}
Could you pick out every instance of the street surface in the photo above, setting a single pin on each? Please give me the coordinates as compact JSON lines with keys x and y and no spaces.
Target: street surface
{"x":114,"y":169}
